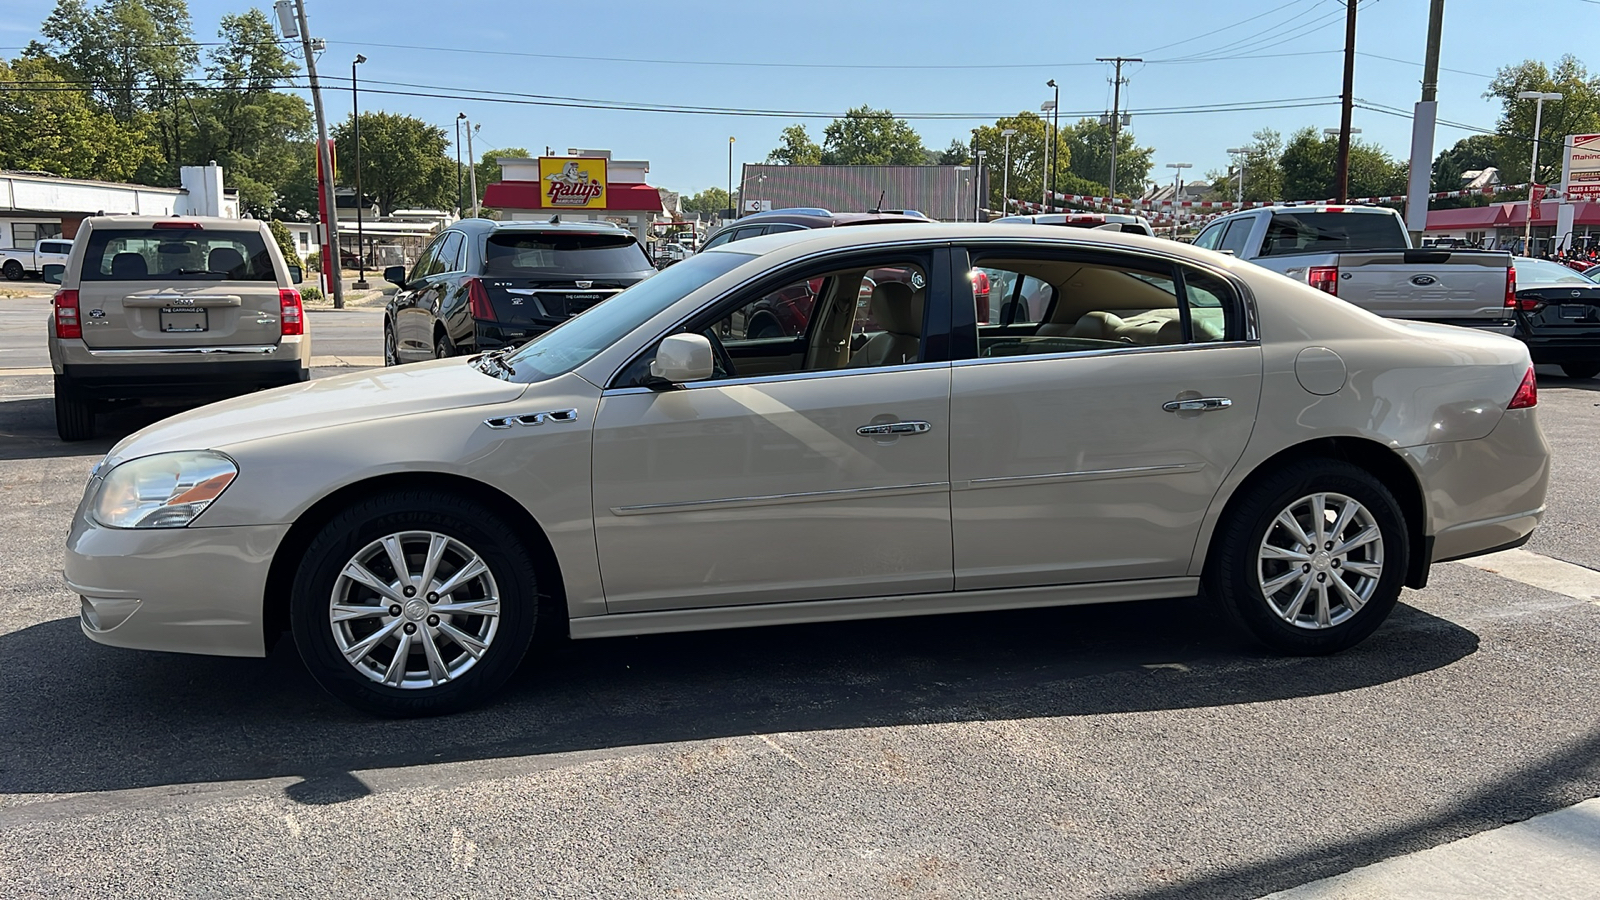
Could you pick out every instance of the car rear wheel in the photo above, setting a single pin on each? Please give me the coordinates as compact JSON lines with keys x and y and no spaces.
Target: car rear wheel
{"x":75,"y":414}
{"x":442,"y":347}
{"x":12,"y":270}
{"x":391,"y":346}
{"x":414,"y":603}
{"x":1312,"y":560}
{"x":1581,"y":370}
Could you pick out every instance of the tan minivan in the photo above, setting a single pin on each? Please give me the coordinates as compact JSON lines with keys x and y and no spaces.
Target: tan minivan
{"x":161,"y":307}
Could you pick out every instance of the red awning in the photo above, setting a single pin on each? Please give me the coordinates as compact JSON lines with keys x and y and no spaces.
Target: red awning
{"x":528,"y":195}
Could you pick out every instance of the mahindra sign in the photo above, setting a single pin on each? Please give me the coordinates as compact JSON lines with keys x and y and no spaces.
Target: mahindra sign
{"x":1583,"y":167}
{"x":573,"y":182}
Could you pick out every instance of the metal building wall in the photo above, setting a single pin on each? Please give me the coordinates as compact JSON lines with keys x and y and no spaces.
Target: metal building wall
{"x":939,"y":192}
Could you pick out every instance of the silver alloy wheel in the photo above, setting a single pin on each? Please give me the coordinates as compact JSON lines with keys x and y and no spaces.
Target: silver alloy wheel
{"x":391,"y":347}
{"x":1320,"y":561}
{"x":414,"y":609}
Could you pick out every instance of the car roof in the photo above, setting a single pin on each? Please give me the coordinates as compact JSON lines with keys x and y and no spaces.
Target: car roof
{"x":580,"y":226}
{"x":147,"y":221}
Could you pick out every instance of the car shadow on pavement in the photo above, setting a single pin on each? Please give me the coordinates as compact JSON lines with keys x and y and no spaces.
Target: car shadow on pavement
{"x":80,"y":717}
{"x":28,"y":428}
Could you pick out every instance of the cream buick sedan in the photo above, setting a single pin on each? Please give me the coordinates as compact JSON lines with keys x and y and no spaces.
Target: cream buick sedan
{"x":953,"y":418}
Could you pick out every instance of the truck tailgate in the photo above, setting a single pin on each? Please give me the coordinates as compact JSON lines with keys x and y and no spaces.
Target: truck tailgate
{"x":1430,"y":284}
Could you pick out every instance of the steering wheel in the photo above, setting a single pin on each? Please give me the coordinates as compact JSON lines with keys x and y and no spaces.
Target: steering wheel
{"x":722,"y":363}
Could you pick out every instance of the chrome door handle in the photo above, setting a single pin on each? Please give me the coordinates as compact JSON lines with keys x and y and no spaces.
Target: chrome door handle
{"x":1199,"y":404}
{"x":894,"y":428}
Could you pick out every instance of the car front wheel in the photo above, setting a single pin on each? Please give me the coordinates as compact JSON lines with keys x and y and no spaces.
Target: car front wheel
{"x":414,"y":603}
{"x":1312,"y":560}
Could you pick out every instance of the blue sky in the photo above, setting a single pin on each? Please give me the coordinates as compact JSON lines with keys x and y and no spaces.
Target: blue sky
{"x":987,"y":59}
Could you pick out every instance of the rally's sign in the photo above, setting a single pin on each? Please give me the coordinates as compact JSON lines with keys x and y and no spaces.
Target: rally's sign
{"x":573,"y":182}
{"x":1583,"y":167}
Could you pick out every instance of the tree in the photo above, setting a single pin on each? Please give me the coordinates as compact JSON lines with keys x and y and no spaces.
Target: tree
{"x":488,"y":169}
{"x":1089,"y":156}
{"x":795,"y":148}
{"x":1475,"y":153}
{"x":403,"y":160}
{"x":1027,"y":157}
{"x":49,"y":125}
{"x":711,"y":202}
{"x":280,"y":233}
{"x":957,"y":154}
{"x":257,"y":133}
{"x":871,"y":137}
{"x":1577,"y":112}
{"x":1310,"y":168}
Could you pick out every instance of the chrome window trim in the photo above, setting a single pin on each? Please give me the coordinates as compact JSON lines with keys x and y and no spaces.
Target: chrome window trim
{"x":1130,"y":350}
{"x":779,"y":377}
{"x":262,"y":350}
{"x":888,"y":490}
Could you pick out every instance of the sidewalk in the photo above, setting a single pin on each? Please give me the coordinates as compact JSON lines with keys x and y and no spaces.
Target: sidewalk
{"x":1555,"y":856}
{"x":377,"y":294}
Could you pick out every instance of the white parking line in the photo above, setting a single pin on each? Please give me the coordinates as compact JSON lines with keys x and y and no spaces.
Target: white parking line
{"x":1555,"y":856}
{"x":1542,"y":572}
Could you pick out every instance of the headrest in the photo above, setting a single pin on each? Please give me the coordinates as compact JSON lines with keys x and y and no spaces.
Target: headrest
{"x":897,"y":308}
{"x":129,"y":265}
{"x":224,"y":259}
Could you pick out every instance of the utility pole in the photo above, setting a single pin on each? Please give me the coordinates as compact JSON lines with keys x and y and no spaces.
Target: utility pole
{"x":1347,"y":100}
{"x":733,"y":212}
{"x":1422,"y":123}
{"x":330,"y":262}
{"x":1005,"y":180}
{"x":1116,"y":117}
{"x":355,"y":117}
{"x":472,"y":171}
{"x":461,"y":206}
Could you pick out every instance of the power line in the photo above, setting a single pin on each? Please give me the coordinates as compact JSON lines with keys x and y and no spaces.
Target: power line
{"x":1266,"y":34}
{"x":1231,"y":26}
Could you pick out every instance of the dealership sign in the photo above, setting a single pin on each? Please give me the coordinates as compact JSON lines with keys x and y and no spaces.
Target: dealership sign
{"x":1582,"y":170}
{"x":573,"y":182}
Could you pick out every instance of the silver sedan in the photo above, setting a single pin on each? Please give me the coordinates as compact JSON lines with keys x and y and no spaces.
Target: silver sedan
{"x":951,"y":419}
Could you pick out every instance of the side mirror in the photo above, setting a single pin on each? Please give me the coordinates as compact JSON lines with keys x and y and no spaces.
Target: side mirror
{"x":395,"y":275}
{"x":54,"y":272}
{"x":682,"y":358}
{"x":296,"y":275}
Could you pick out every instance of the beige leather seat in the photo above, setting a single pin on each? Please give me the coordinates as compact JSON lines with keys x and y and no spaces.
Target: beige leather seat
{"x":897,"y":309}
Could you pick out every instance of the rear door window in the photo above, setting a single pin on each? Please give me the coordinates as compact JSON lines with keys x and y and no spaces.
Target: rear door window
{"x":511,"y":253}
{"x":1237,"y":236}
{"x":176,"y":255}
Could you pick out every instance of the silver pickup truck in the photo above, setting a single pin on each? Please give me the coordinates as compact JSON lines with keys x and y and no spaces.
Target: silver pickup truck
{"x":1363,"y":255}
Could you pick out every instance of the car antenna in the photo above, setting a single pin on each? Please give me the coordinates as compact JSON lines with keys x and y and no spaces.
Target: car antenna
{"x":555,"y":219}
{"x":879,"y":207}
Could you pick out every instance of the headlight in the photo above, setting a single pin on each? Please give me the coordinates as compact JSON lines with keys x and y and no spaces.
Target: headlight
{"x":166,"y":490}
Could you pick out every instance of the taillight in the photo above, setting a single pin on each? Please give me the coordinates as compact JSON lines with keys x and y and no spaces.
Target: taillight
{"x":478,"y":301}
{"x":291,"y":313}
{"x":1324,"y":278}
{"x":980,"y":283}
{"x":68,"y":324}
{"x":1511,"y":287}
{"x":1527,"y":395}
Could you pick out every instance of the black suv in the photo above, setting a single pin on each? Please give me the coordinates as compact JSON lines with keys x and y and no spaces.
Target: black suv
{"x":802,"y":218}
{"x":483,"y":285}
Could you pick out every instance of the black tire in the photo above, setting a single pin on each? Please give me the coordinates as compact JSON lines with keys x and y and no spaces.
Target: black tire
{"x":75,"y":414}
{"x":13,"y":270}
{"x":765,"y":327}
{"x":391,"y":345}
{"x":1581,"y":370}
{"x":443,"y":347}
{"x":1236,"y":571}
{"x":350,"y":535}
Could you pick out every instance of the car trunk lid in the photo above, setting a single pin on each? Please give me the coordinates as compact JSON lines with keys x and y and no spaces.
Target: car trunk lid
{"x":518,"y":301}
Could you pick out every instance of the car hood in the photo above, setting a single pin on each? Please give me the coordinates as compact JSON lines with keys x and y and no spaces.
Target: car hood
{"x":341,"y":400}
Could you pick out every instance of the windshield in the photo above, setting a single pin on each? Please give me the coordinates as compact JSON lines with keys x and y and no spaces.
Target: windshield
{"x":510,"y":253}
{"x":577,"y":340}
{"x":183,"y":254}
{"x":1539,"y":271}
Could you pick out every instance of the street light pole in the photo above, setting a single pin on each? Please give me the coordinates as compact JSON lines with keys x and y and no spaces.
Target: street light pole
{"x":1538,"y":98}
{"x":731,"y":207}
{"x":977,"y":184}
{"x":1005,"y":179}
{"x":472,"y":171}
{"x":1243,"y":153}
{"x":1055,"y":135}
{"x":461,"y":205}
{"x":1177,"y":189}
{"x":1044,"y":168}
{"x":361,"y":245}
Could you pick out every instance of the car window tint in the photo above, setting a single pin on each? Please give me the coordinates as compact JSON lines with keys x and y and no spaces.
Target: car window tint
{"x":519,"y":253}
{"x":449,"y":258}
{"x":782,"y":313}
{"x":719,"y":240}
{"x":424,"y":264}
{"x":1211,"y":237}
{"x":1314,"y":231}
{"x":1212,"y":310}
{"x":1004,"y":297}
{"x":1236,"y":236}
{"x":181,"y":254}
{"x":1076,"y":305}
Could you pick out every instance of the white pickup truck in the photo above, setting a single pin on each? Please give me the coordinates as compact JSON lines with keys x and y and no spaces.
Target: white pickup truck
{"x":1363,"y":255}
{"x":18,"y":264}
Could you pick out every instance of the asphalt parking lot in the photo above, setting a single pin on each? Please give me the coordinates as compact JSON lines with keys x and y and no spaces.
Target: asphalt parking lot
{"x":1131,"y":751}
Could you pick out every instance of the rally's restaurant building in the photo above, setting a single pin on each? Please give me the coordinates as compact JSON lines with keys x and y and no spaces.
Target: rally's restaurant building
{"x":584,"y":185}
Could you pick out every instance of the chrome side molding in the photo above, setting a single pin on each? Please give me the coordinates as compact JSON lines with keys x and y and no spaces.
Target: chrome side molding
{"x":531,"y":419}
